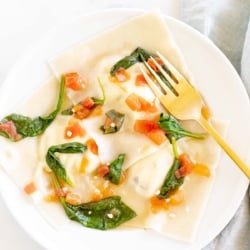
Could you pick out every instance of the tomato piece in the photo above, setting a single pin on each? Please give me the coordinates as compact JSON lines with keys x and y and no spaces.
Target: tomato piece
{"x":74,"y":129}
{"x":91,"y":144}
{"x":10,"y":129}
{"x":74,"y":81}
{"x":81,"y":112}
{"x":140,"y":80}
{"x":157,"y":136}
{"x":30,"y":188}
{"x":121,"y":75}
{"x":138,"y":103}
{"x":103,"y":170}
{"x":151,"y":129}
{"x":88,"y":103}
{"x":186,"y":166}
{"x":145,"y":126}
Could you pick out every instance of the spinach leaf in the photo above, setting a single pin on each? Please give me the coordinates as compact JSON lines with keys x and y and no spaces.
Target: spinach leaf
{"x":115,"y":169}
{"x":28,"y":127}
{"x":171,"y":183}
{"x":173,"y":128}
{"x":140,"y":55}
{"x":113,"y":122}
{"x":105,"y":214}
{"x":54,"y":162}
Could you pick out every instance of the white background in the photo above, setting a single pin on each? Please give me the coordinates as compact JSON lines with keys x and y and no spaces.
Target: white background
{"x":23,"y":23}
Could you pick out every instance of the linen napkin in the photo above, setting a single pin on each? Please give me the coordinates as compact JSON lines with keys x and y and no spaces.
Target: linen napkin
{"x":226,"y":23}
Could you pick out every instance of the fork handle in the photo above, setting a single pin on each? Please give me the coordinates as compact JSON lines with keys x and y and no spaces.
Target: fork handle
{"x":231,"y":153}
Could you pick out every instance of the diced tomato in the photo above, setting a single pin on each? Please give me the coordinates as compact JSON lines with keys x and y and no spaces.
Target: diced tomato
{"x":91,"y":144}
{"x":157,"y":136}
{"x":121,"y":75}
{"x":74,"y":81}
{"x":140,"y":80}
{"x":145,"y":126}
{"x":138,"y":103}
{"x":88,"y":103}
{"x":152,"y":64}
{"x":74,"y":129}
{"x":151,"y":129}
{"x":103,"y":170}
{"x":81,"y":112}
{"x":30,"y":188}
{"x":186,"y":166}
{"x":10,"y":129}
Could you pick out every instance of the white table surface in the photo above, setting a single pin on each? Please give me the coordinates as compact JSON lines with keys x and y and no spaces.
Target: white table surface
{"x":23,"y":23}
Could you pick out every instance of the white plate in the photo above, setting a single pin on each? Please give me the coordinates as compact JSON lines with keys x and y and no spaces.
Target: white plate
{"x":221,"y":87}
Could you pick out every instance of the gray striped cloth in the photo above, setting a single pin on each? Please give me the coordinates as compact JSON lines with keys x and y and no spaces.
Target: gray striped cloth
{"x":227,"y":24}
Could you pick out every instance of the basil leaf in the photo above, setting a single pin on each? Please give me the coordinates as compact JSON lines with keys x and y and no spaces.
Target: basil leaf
{"x":105,"y":214}
{"x":28,"y":127}
{"x":54,"y":162}
{"x":173,"y":128}
{"x":115,"y":169}
{"x":138,"y":55}
{"x":171,"y":183}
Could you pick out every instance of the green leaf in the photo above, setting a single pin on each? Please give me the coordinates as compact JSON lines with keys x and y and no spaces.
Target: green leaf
{"x":28,"y":127}
{"x":54,"y":162}
{"x":171,"y":183}
{"x":115,"y":169}
{"x":173,"y":128}
{"x":138,"y":55}
{"x":105,"y":214}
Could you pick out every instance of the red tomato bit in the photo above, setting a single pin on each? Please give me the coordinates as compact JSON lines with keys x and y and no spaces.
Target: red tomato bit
{"x":74,"y":81}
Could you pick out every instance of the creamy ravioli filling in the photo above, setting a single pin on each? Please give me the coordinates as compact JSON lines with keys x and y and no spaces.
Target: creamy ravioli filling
{"x":105,"y":145}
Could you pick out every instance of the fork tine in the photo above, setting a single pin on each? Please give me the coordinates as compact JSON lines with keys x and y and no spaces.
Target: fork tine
{"x":176,"y":73}
{"x":151,"y":84}
{"x":167,"y":76}
{"x":155,"y":89}
{"x":166,"y":89}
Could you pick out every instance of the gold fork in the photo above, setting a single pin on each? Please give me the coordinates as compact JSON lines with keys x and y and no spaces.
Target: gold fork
{"x":186,"y":104}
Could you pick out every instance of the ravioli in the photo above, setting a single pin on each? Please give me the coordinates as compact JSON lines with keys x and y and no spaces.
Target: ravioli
{"x":146,"y":163}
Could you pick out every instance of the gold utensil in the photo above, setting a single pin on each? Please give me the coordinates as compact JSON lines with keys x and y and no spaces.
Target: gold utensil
{"x":186,"y":103}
